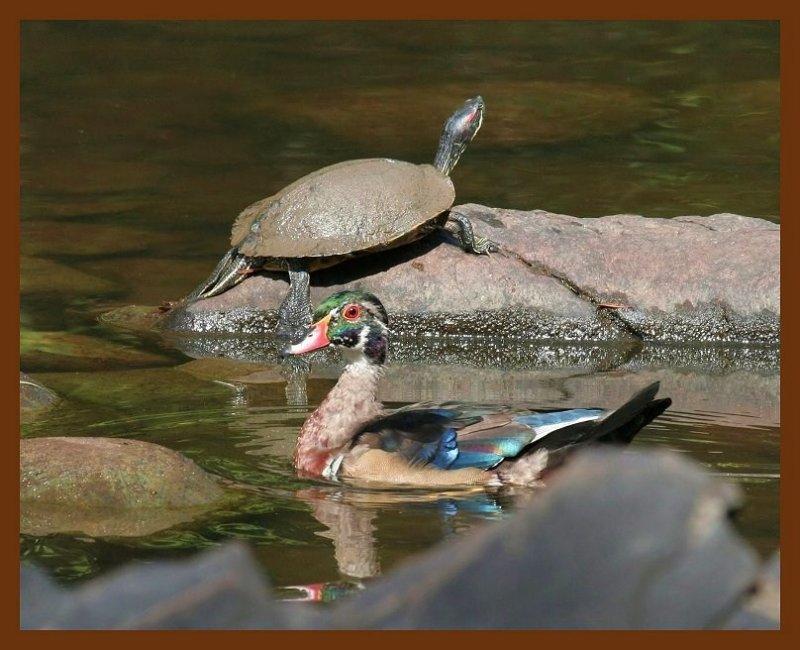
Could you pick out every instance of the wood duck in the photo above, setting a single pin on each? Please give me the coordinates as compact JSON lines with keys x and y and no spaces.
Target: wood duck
{"x":351,"y":436}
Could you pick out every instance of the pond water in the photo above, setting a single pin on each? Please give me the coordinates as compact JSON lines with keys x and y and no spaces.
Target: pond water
{"x":141,"y":141}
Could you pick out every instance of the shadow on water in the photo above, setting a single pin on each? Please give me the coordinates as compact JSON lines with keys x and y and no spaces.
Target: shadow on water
{"x":141,"y":141}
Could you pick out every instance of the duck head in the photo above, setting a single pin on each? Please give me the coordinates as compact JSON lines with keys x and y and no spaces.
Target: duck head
{"x":354,"y":321}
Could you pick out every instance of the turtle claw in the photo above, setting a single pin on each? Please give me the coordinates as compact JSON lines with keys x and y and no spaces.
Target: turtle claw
{"x":166,"y":305}
{"x":461,"y":227}
{"x":483,"y":246}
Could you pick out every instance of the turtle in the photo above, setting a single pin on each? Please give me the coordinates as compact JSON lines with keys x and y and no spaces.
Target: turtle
{"x":350,"y":208}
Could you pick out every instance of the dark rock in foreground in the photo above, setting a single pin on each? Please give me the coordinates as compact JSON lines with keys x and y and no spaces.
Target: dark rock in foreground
{"x":219,"y":589}
{"x":761,"y":610}
{"x":619,"y":540}
{"x":618,"y":543}
{"x":689,"y":278}
{"x":106,"y":486}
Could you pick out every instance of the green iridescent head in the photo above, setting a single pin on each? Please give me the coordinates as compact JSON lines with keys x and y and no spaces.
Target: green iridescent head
{"x":353,"y":320}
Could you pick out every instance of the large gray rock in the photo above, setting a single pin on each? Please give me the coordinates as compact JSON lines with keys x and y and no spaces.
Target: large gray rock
{"x":619,"y":540}
{"x":685,"y":279}
{"x":107,"y":486}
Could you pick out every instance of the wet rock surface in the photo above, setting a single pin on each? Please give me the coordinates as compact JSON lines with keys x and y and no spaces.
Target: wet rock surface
{"x":722,"y":383}
{"x":621,"y":540}
{"x":105,"y":486}
{"x":702,"y":279}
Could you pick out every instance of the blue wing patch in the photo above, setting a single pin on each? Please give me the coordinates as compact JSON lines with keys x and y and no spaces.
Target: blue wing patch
{"x":479,"y":459}
{"x":486,"y":452}
{"x":446,"y":451}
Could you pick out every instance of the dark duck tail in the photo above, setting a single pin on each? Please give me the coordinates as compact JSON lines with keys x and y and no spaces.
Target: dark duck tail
{"x":619,"y":426}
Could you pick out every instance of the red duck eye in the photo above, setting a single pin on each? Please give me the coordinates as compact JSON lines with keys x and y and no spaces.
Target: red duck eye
{"x":351,"y":312}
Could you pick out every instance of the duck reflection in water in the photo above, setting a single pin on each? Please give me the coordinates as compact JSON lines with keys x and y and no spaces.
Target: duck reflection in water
{"x":349,"y":517}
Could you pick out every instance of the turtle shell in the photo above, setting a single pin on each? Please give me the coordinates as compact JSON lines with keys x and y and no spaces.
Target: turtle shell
{"x":353,"y":206}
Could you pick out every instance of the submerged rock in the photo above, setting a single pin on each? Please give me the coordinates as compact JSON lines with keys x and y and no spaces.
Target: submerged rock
{"x":709,"y":279}
{"x":107,"y":486}
{"x":134,"y":391}
{"x":33,"y":397}
{"x":618,"y":541}
{"x":38,"y":275}
{"x":67,"y":351}
{"x":137,"y":318}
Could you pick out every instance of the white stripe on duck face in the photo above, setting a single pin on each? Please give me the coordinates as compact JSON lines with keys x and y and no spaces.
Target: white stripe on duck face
{"x":545,"y":423}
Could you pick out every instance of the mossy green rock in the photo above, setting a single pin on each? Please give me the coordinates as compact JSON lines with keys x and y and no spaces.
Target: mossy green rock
{"x":108,"y":486}
{"x":111,"y":473}
{"x":136,"y":318}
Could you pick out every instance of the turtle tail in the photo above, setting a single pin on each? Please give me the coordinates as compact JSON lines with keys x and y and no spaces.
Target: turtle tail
{"x":230,"y":271}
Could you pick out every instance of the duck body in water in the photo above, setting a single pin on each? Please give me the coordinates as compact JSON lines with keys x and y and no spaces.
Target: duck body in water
{"x":351,"y":436}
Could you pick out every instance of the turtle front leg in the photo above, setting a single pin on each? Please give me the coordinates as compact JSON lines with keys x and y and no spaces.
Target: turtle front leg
{"x":294,"y":316}
{"x":470,"y":242}
{"x":294,"y":313}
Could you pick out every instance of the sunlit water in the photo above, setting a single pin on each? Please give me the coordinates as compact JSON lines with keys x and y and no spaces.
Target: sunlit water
{"x":140,"y":142}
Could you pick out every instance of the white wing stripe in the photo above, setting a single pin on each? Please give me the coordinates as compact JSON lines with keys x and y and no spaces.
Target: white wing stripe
{"x":544,"y":429}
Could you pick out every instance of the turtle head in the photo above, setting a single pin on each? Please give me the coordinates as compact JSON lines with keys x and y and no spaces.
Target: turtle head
{"x":458,"y":132}
{"x":354,"y":321}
